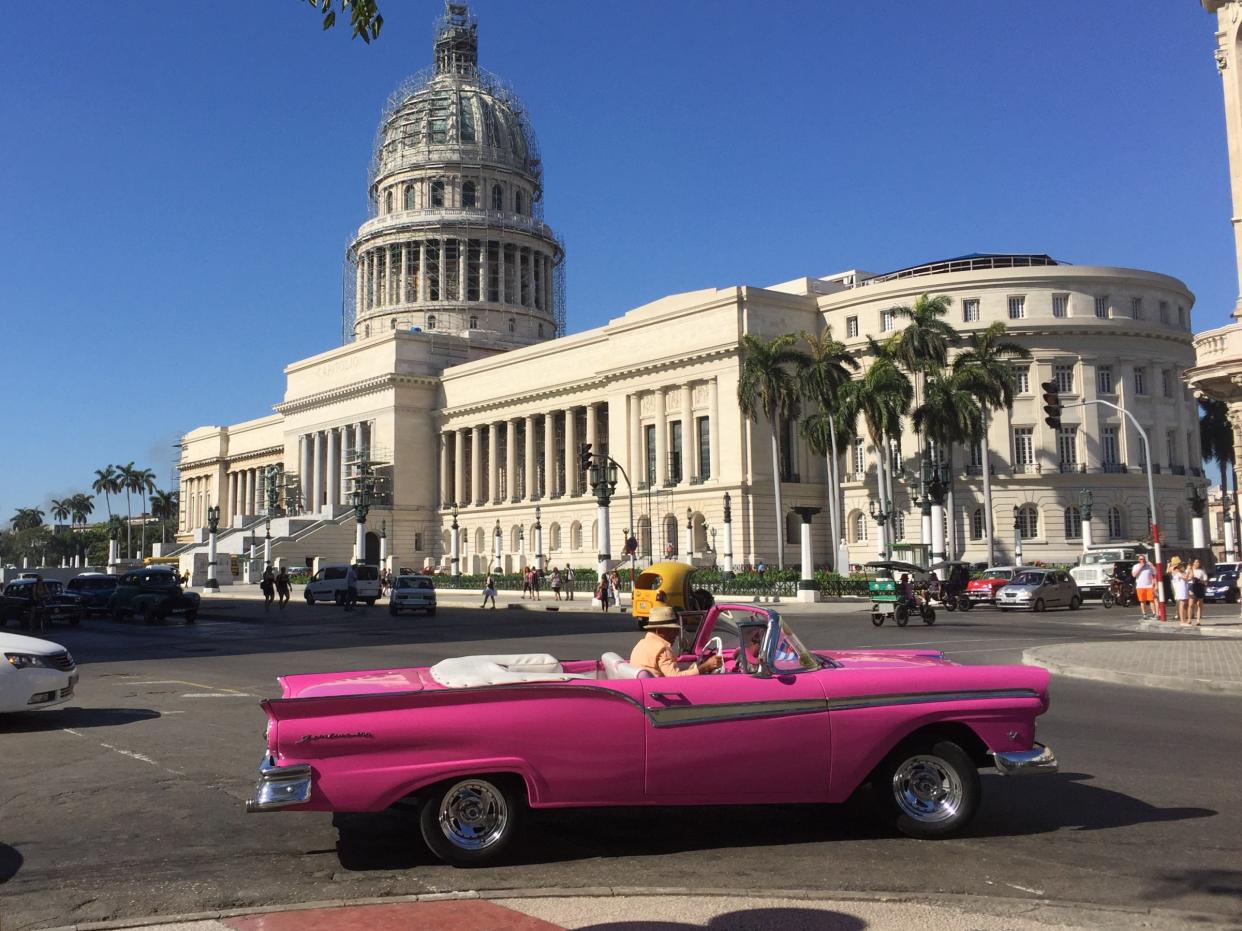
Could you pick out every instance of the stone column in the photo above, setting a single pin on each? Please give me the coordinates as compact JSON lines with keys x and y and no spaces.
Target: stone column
{"x":493,"y":462}
{"x":232,"y":503}
{"x":250,"y":493}
{"x":422,"y":271}
{"x":304,"y":449}
{"x":317,"y":488}
{"x":571,"y":451}
{"x":476,"y":465}
{"x":689,"y":448}
{"x":360,"y":287}
{"x":459,"y":467}
{"x":401,"y":273}
{"x":445,"y":496}
{"x":637,"y":461}
{"x":532,"y":492}
{"x":511,"y":486}
{"x":333,"y":482}
{"x":661,"y":440}
{"x":808,"y":588}
{"x":378,"y":297}
{"x":713,"y":426}
{"x":463,"y":267}
{"x":549,"y":454}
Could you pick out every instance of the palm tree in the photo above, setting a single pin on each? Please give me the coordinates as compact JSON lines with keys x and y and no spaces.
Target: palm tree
{"x":950,"y":413}
{"x":987,"y":364}
{"x":144,"y":484}
{"x":62,"y":508}
{"x":1216,"y":442}
{"x":83,"y":505}
{"x":822,"y":375}
{"x":106,"y":483}
{"x":881,"y":397}
{"x":767,"y":387}
{"x":26,"y":519}
{"x":127,"y":476}
{"x":163,"y":508}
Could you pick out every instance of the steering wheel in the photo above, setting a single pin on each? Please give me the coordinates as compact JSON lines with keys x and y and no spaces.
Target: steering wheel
{"x":716,"y":644}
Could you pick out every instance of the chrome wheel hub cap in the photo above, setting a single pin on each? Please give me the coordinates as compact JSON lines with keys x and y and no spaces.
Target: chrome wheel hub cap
{"x":927,"y":789}
{"x":473,"y":814}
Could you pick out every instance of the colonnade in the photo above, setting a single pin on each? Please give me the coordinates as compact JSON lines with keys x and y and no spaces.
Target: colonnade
{"x":196,"y":497}
{"x":450,"y":269}
{"x":670,"y":447}
{"x":324,"y":458}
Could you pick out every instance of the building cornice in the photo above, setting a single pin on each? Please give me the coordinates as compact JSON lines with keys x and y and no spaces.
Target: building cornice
{"x":264,"y":453}
{"x":353,"y":390}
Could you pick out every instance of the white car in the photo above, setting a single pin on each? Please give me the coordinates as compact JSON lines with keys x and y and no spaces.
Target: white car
{"x":34,"y":673}
{"x":412,"y":593}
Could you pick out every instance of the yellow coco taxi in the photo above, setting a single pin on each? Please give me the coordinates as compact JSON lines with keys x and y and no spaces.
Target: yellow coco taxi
{"x":670,"y":584}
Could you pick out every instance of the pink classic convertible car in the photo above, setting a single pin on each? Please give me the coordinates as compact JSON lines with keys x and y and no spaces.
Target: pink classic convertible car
{"x":475,"y":740}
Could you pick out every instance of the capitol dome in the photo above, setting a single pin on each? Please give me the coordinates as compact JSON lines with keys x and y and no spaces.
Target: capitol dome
{"x":456,"y":242}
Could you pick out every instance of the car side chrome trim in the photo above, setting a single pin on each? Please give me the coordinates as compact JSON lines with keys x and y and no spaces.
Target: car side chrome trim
{"x":734,"y":711}
{"x":922,"y":698}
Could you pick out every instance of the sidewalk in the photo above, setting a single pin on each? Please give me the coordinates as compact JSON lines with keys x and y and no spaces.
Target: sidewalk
{"x":674,"y":910}
{"x":1209,"y":666}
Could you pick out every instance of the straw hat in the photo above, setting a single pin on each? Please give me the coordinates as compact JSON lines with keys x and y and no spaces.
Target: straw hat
{"x":1175,"y":562}
{"x":662,"y":618}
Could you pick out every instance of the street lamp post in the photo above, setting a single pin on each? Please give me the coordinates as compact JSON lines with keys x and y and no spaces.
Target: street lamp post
{"x":713,"y":533}
{"x":114,"y":544}
{"x":938,"y":479}
{"x":1017,"y":536}
{"x":880,"y":516}
{"x":603,"y":477}
{"x":497,"y":546}
{"x":521,"y":547}
{"x":1198,"y":508}
{"x":455,"y":543}
{"x":383,"y":544}
{"x":690,"y":536}
{"x":361,"y":500}
{"x":1085,"y":501}
{"x":808,"y":588}
{"x":273,"y":502}
{"x":538,"y":541}
{"x":728,"y":536}
{"x":213,"y":524}
{"x":1229,"y":541}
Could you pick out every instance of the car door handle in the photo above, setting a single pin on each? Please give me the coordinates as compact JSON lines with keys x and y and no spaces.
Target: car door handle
{"x":668,"y":696}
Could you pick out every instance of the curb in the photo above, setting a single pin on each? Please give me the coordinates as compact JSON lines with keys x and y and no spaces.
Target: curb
{"x":1172,"y":628}
{"x":1031,"y":657}
{"x":979,"y":904}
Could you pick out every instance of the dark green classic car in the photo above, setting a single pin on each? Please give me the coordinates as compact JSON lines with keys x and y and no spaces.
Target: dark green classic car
{"x":153,"y":595}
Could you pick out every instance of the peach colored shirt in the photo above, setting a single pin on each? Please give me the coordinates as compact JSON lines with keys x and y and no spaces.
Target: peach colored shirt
{"x":654,"y":654}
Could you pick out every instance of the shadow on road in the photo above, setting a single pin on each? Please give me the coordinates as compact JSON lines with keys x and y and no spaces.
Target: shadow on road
{"x":770,"y":919}
{"x":1225,"y":883}
{"x":10,"y":862}
{"x":61,"y":718}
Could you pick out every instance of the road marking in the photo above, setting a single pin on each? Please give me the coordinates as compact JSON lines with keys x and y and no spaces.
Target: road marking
{"x":216,"y":695}
{"x":1025,"y":889}
{"x":197,"y":685}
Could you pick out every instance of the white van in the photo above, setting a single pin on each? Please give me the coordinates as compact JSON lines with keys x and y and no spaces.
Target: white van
{"x":328,"y":584}
{"x":412,"y":592}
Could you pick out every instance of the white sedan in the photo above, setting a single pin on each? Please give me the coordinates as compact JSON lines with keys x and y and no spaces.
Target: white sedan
{"x":34,"y":673}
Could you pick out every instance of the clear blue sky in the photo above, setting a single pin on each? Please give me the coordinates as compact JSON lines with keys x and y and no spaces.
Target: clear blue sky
{"x":179,"y":181}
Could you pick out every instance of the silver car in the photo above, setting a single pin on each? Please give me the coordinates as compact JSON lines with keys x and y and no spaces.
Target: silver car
{"x":1039,"y":589}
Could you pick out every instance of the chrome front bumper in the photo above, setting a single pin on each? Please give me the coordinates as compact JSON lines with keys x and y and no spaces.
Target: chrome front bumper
{"x":280,"y":786}
{"x":1039,"y":759}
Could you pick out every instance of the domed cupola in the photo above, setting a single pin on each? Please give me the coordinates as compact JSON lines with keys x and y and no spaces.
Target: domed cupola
{"x":456,"y":241}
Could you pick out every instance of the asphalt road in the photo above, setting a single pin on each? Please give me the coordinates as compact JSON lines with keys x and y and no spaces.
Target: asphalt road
{"x":128,"y":802}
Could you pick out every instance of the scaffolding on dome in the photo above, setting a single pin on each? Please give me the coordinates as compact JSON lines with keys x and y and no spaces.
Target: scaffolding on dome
{"x":468,"y":125}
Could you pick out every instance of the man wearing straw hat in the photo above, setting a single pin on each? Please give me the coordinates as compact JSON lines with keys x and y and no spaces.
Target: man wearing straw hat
{"x":654,"y":652}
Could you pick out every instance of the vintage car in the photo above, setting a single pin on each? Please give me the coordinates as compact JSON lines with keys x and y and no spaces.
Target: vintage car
{"x":93,"y":590}
{"x":473,"y":741}
{"x":153,"y":595}
{"x":670,"y":584}
{"x":983,"y":589}
{"x":18,"y":599}
{"x":413,"y":593}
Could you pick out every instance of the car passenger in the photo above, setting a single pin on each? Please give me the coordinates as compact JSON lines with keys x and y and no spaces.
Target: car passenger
{"x":654,"y":652}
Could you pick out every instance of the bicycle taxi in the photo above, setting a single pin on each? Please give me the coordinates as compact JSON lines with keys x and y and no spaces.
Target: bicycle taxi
{"x":887,"y":601}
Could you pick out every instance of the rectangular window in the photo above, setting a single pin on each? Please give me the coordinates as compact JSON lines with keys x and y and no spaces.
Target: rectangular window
{"x":418,"y":541}
{"x":674,"y":452}
{"x":1109,"y":450}
{"x":976,"y":455}
{"x":1064,"y":377}
{"x":1022,"y":379}
{"x":1017,"y":308}
{"x":1060,"y":305}
{"x":704,"y":427}
{"x":851,"y":327}
{"x":1142,"y":455}
{"x":970,"y":311}
{"x":1181,"y":315}
{"x":1166,"y":383}
{"x":1067,"y":446}
{"x":1101,"y":307}
{"x":650,"y":450}
{"x":510,"y":274}
{"x":1170,"y":442}
{"x":1140,"y":381}
{"x":450,"y":272}
{"x":1023,"y":447}
{"x":1136,"y":308}
{"x":473,"y":255}
{"x":886,"y":321}
{"x":860,"y":456}
{"x":493,"y":271}
{"x":1164,"y":311}
{"x":1104,"y":379}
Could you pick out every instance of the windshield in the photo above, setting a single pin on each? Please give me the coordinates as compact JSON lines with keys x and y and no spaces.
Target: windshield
{"x":1228,"y":575}
{"x":1095,"y":557}
{"x":414,"y":583}
{"x":790,"y":655}
{"x":1028,"y":578}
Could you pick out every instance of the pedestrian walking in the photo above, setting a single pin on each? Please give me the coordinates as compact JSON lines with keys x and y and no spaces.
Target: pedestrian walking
{"x":1198,"y":591}
{"x":555,"y":582}
{"x":602,"y":593}
{"x":351,"y":587}
{"x":489,"y":592}
{"x":536,"y":576}
{"x":1144,"y":586}
{"x":569,"y":582}
{"x":282,"y":587}
{"x":526,"y":577}
{"x":267,"y":585}
{"x":1181,"y":589}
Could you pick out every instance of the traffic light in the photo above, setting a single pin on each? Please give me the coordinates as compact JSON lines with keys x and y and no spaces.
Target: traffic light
{"x":584,"y":456}
{"x":1052,"y":404}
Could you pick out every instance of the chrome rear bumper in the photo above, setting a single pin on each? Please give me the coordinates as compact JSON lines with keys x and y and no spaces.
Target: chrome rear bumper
{"x":1039,"y":759}
{"x":280,"y":786}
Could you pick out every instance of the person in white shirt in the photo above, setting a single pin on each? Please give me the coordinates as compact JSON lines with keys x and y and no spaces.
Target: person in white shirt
{"x":1181,"y":589}
{"x":1144,"y":586}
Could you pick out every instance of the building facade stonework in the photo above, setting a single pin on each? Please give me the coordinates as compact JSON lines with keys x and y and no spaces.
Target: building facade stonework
{"x":458,"y":385}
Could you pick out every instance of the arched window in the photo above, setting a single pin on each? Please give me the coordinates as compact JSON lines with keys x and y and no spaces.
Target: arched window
{"x":437,"y":193}
{"x":512,"y":325}
{"x":899,"y":525}
{"x":392,"y":323}
{"x":431,"y":321}
{"x":498,"y":197}
{"x":977,"y":524}
{"x":480,"y":542}
{"x":1028,"y":522}
{"x":644,"y":535}
{"x":366,"y":330}
{"x":1114,"y":523}
{"x":388,"y":202}
{"x":575,"y":536}
{"x":1073,"y":523}
{"x":517,"y":201}
{"x":474,"y":322}
{"x":858,"y":527}
{"x":670,"y":536}
{"x":409,"y":197}
{"x":468,"y":197}
{"x":554,"y":537}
